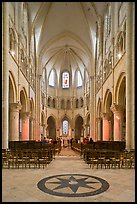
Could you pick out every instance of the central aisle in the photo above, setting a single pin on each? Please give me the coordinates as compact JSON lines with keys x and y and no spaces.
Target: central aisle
{"x":68,"y":179}
{"x":67,"y":151}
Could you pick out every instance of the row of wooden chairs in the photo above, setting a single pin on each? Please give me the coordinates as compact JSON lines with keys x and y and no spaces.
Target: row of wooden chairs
{"x":110,"y":159}
{"x":26,"y":158}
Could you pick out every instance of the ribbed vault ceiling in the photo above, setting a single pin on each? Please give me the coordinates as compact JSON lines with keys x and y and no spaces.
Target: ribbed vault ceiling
{"x":65,"y":33}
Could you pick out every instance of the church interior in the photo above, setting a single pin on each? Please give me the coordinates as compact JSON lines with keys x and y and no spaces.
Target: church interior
{"x":68,"y":101}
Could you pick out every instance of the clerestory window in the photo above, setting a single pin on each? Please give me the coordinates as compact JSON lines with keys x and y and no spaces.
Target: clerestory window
{"x":65,"y":80}
{"x":52,"y":78}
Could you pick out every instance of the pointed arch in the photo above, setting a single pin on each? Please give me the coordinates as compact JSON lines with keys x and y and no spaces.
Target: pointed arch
{"x":120,"y":88}
{"x":78,"y":79}
{"x":99,"y":108}
{"x":13,"y":86}
{"x":23,"y":100}
{"x":52,"y":78}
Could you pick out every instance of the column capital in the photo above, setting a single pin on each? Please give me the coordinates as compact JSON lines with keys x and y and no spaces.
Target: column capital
{"x":32,"y":117}
{"x":25,"y":115}
{"x":116,"y":108}
{"x":15,"y":106}
{"x":105,"y":116}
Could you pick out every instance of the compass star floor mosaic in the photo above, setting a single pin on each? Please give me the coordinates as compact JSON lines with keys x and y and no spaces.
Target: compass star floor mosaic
{"x":73,"y":185}
{"x":68,"y":179}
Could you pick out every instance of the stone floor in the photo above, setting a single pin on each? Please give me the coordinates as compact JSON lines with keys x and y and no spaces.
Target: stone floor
{"x":68,"y":179}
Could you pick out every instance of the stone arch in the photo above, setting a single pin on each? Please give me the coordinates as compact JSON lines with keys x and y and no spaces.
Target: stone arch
{"x":120,"y":89}
{"x":120,"y":95}
{"x":51,"y":127}
{"x":23,"y":100}
{"x":108,"y":117}
{"x":24,"y":116}
{"x":99,"y":121}
{"x":13,"y":112}
{"x":107,"y":98}
{"x":79,"y":129}
{"x":99,"y":107}
{"x":12,"y":89}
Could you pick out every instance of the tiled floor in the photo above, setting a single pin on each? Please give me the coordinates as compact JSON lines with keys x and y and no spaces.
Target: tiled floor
{"x":20,"y":185}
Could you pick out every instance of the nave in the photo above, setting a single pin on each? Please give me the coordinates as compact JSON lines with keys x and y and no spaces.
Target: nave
{"x":68,"y":179}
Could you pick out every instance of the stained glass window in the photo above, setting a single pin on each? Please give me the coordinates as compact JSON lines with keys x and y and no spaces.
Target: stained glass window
{"x":65,"y":80}
{"x":65,"y":127}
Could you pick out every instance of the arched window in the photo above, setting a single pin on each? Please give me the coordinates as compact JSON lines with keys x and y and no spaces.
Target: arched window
{"x":65,"y":127}
{"x":77,"y":103}
{"x":68,"y":104}
{"x":65,"y":80}
{"x":54,"y":103}
{"x":49,"y":101}
{"x":52,"y":78}
{"x":108,"y":21}
{"x":81,"y":102}
{"x":78,"y":79}
{"x":24,"y":18}
{"x":12,"y":41}
{"x":62,"y":104}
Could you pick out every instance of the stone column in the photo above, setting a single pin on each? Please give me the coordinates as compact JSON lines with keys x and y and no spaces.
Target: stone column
{"x":25,"y":125}
{"x":118,"y":121}
{"x":14,"y":121}
{"x":106,"y":127}
{"x":130,"y":86}
{"x":31,"y":128}
{"x":92,"y":108}
{"x":99,"y":128}
{"x":5,"y":75}
{"x":37,"y":99}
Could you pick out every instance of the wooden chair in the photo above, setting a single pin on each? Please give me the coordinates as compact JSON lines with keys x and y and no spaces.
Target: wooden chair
{"x":33,"y":160}
{"x":4,"y":158}
{"x":94,"y":159}
{"x":42,"y":158}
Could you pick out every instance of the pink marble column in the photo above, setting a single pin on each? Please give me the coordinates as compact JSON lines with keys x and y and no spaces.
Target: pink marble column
{"x":118,"y":121}
{"x":31,"y":130}
{"x":106,"y":127}
{"x":25,"y":125}
{"x":14,"y":121}
{"x":98,"y":125}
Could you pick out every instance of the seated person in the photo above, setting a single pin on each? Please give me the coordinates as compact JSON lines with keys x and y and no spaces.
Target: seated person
{"x":44,"y":140}
{"x":91,"y":141}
